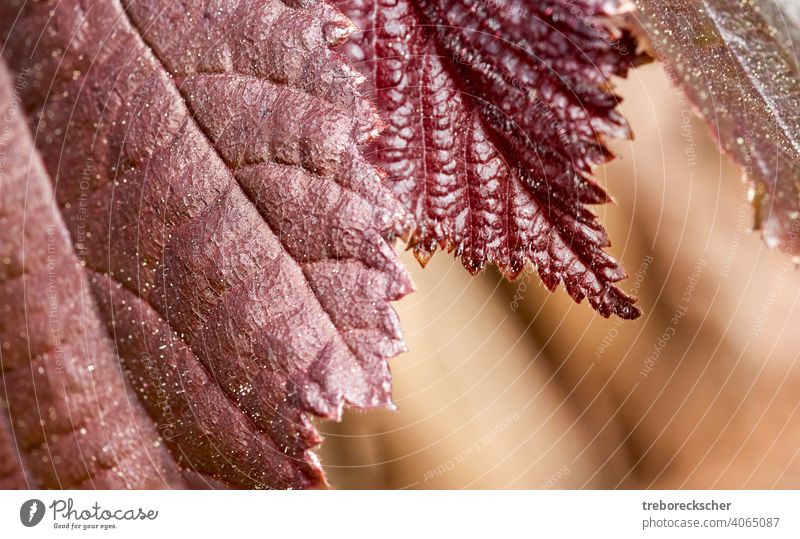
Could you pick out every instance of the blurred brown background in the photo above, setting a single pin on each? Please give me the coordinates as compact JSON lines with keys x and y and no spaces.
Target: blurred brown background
{"x":509,"y":386}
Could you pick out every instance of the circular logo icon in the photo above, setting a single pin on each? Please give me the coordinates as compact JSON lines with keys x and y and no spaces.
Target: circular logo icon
{"x":31,"y":513}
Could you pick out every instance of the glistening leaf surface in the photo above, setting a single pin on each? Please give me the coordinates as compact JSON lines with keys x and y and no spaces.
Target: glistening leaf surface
{"x":738,"y":64}
{"x":196,"y":255}
{"x":496,"y":113}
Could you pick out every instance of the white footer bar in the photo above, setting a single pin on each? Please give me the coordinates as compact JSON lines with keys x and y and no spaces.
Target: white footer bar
{"x":382,"y":514}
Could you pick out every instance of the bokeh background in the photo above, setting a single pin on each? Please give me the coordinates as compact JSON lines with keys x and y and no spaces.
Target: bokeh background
{"x":509,"y":386}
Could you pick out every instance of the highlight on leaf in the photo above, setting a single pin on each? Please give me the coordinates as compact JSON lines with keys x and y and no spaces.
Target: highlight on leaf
{"x":496,"y":114}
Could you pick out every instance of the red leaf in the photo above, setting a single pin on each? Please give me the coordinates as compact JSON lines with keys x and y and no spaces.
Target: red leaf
{"x":496,"y":113}
{"x":737,"y":63}
{"x":207,"y":261}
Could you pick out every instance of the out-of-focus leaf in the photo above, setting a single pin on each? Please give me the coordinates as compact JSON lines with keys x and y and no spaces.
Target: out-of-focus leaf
{"x":738,"y":64}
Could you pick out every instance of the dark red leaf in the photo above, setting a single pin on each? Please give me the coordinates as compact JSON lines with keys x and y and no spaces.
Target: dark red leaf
{"x":738,"y":64}
{"x":195,"y":254}
{"x":496,"y":113}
